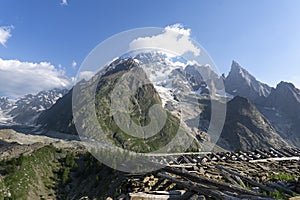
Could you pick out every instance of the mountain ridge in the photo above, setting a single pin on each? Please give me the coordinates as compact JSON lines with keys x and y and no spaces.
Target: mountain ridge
{"x":240,"y":82}
{"x":25,"y":109}
{"x":246,"y":128}
{"x":279,"y":105}
{"x":266,"y":106}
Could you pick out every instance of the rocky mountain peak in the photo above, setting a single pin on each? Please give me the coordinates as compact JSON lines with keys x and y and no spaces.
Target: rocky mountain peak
{"x":121,"y":64}
{"x":239,"y":73}
{"x":240,"y":82}
{"x":288,"y":91}
{"x":287,"y":86}
{"x":286,"y":97}
{"x":25,"y":109}
{"x":235,"y":66}
{"x":4,"y":103}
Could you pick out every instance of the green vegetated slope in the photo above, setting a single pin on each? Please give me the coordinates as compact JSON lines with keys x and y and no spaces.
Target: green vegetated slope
{"x":28,"y":176}
{"x":140,"y":103}
{"x":60,"y":118}
{"x":50,"y":173}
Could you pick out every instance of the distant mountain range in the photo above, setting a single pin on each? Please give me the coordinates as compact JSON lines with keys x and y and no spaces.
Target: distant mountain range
{"x":258,"y":115}
{"x":26,"y":109}
{"x":280,"y":105}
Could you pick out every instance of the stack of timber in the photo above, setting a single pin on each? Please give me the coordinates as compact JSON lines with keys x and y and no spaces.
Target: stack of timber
{"x":260,"y":174}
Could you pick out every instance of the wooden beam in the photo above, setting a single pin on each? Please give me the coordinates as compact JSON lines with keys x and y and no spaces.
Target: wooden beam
{"x":209,"y":182}
{"x":198,"y":188}
{"x":275,"y":159}
{"x":252,"y":182}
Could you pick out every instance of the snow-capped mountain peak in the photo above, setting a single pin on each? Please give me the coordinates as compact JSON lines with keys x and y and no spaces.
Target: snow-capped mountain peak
{"x":25,"y":109}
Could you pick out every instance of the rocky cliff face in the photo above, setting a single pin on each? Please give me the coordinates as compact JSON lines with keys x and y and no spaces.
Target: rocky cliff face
{"x":60,"y":118}
{"x":280,"y":105}
{"x":25,"y":110}
{"x":240,"y":82}
{"x":5,"y":106}
{"x":286,"y":98}
{"x":282,"y":109}
{"x":28,"y":108}
{"x":4,"y":103}
{"x":246,"y":128}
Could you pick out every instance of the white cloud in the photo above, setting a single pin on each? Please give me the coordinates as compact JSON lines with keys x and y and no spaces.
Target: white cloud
{"x":179,"y":29}
{"x":74,"y":64}
{"x":5,"y":34}
{"x":174,"y":38}
{"x":64,"y":2}
{"x":86,"y":75}
{"x":18,"y":78}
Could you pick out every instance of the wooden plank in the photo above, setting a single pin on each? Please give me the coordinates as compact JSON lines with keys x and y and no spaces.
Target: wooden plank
{"x":227,"y":156}
{"x":255,"y":197}
{"x":262,"y":153}
{"x":160,"y":184}
{"x":270,"y":153}
{"x":155,"y":196}
{"x":286,"y":154}
{"x":197,"y":158}
{"x":164,"y":160}
{"x":174,"y":160}
{"x":176,"y":154}
{"x":185,"y":166}
{"x":189,"y":195}
{"x":239,"y":180}
{"x":275,"y":159}
{"x":245,"y":155}
{"x":199,"y":188}
{"x":185,"y":159}
{"x":190,"y":159}
{"x":277,"y":152}
{"x":238,"y":157}
{"x":297,"y":149}
{"x":207,"y":191}
{"x":252,"y":182}
{"x":291,"y":151}
{"x":208,"y":158}
{"x":206,"y":181}
{"x":281,"y":188}
{"x":218,"y":157}
{"x":227,"y":177}
{"x":254,"y":155}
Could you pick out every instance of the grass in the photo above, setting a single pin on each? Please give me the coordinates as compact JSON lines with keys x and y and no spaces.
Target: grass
{"x":50,"y":173}
{"x":27,"y":174}
{"x":276,"y":194}
{"x":283,"y":176}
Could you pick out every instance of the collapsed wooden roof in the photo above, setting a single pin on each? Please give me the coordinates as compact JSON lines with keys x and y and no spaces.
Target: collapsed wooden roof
{"x":260,"y":174}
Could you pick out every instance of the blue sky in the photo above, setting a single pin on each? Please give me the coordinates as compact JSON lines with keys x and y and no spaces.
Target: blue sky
{"x":262,"y":35}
